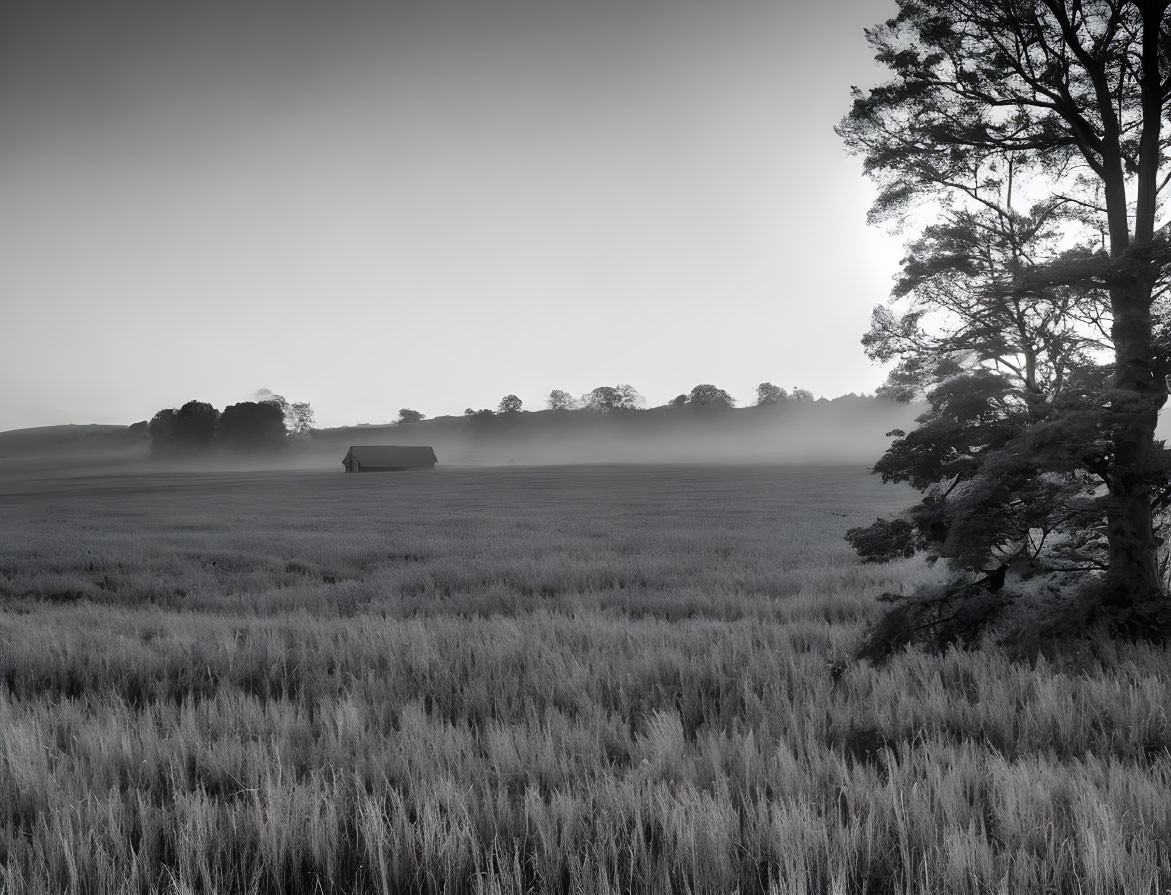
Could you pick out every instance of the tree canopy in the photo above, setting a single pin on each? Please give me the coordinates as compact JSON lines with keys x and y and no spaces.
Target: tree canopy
{"x":707,"y":395}
{"x":298,"y":415}
{"x":559,"y":399}
{"x":606,"y":398}
{"x":252,"y":425}
{"x":161,"y":430}
{"x":768,"y":394}
{"x":195,"y":424}
{"x":190,"y":428}
{"x":510,"y":404}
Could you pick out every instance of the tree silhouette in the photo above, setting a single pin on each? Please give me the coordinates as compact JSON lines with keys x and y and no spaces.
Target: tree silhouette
{"x":406,"y":415}
{"x":706,"y":395}
{"x":768,"y":394}
{"x":252,"y":425}
{"x":190,"y":428}
{"x":299,"y":417}
{"x":161,"y":429}
{"x":560,"y":400}
{"x":629,"y":398}
{"x":1016,"y":119}
{"x":195,"y":425}
{"x":602,"y":399}
{"x":510,"y":404}
{"x":606,"y":398}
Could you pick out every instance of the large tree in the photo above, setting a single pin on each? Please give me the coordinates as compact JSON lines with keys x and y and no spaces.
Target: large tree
{"x":1062,"y":102}
{"x":1006,"y":453}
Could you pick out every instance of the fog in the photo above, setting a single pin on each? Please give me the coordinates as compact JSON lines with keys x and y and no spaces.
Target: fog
{"x":847,"y":430}
{"x":844,"y":431}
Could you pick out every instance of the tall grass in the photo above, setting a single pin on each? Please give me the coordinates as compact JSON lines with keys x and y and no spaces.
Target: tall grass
{"x":574,"y":680}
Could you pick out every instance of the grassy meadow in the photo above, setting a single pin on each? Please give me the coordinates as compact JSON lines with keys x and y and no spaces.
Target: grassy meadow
{"x":507,"y":680}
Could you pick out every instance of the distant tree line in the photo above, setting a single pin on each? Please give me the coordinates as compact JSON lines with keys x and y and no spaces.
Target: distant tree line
{"x":269,"y":421}
{"x":247,"y":426}
{"x":624,"y":397}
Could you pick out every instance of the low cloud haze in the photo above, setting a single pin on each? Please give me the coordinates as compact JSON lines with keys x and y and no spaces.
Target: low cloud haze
{"x":849,"y":430}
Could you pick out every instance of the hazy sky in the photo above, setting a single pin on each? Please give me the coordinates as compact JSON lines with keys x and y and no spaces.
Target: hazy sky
{"x":428,"y":204}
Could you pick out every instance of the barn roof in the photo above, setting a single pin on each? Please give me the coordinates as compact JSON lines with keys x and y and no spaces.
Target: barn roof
{"x":388,"y":455}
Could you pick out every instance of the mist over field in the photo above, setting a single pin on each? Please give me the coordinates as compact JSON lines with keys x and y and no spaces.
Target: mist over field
{"x":848,"y":430}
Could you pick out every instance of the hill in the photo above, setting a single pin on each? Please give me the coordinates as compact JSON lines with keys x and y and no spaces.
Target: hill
{"x":80,"y":438}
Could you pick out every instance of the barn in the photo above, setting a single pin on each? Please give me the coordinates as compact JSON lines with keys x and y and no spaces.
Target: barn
{"x":386,"y":457}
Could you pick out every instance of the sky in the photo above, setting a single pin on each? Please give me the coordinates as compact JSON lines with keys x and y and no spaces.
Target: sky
{"x":428,"y":204}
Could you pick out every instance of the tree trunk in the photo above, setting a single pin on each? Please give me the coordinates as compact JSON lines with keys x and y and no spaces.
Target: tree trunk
{"x":1133,"y":583}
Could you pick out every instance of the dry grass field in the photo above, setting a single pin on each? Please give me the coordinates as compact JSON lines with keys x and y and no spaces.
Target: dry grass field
{"x":562,"y":679}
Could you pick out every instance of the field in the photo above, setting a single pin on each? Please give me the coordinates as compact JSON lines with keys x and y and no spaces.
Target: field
{"x":566,"y":679}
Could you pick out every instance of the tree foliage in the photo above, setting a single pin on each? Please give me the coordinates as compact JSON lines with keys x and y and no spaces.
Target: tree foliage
{"x":707,"y":395}
{"x":195,"y":424}
{"x":560,"y":400}
{"x":768,"y":394}
{"x":299,"y":417}
{"x":190,"y":428}
{"x":606,"y":398}
{"x":1032,"y":131}
{"x":161,"y":430}
{"x":251,"y":425}
{"x":406,"y":415}
{"x":510,"y":404}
